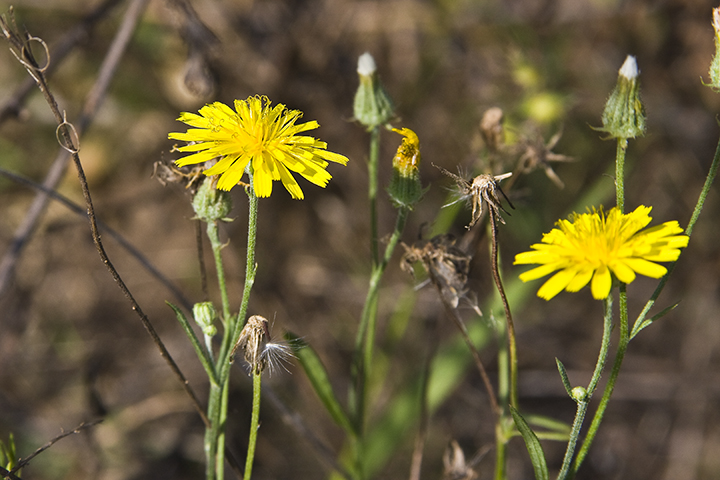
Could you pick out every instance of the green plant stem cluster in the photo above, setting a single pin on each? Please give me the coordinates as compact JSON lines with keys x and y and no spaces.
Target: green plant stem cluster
{"x":217,"y":366}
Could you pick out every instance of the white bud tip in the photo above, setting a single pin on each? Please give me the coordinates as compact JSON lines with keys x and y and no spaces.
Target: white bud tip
{"x":629,"y":69}
{"x":366,"y":64}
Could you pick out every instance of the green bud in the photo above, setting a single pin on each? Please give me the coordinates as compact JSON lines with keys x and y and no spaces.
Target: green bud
{"x":624,"y":115}
{"x":211,"y":204}
{"x":579,"y":394}
{"x":205,"y":315}
{"x":372,"y":106}
{"x":405,"y":188}
{"x":715,"y":64}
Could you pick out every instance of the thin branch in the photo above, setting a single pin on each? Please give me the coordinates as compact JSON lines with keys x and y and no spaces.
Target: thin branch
{"x":24,"y":54}
{"x":59,"y":165}
{"x":24,"y":462}
{"x":74,"y":207}
{"x":65,"y":45}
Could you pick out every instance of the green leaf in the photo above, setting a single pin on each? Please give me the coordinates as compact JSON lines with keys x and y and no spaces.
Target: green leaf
{"x":640,"y":325}
{"x":564,"y":377}
{"x":317,"y":374}
{"x":537,"y":457}
{"x":202,"y":354}
{"x":551,"y":424}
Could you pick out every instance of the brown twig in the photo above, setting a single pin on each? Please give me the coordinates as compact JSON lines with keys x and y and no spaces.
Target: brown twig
{"x":74,"y":207}
{"x":24,"y":54}
{"x":64,"y":46}
{"x":24,"y":462}
{"x":508,"y":316}
{"x":92,"y":102}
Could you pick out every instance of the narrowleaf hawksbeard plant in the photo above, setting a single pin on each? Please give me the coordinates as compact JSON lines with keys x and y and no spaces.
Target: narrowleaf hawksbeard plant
{"x":259,"y":135}
{"x":595,"y":246}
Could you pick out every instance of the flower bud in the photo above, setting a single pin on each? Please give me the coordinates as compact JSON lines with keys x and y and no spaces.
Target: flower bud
{"x":624,"y":115}
{"x":372,"y":106}
{"x":211,"y":204}
{"x":204,"y":314}
{"x":579,"y":394}
{"x":405,"y":188}
{"x":715,"y":64}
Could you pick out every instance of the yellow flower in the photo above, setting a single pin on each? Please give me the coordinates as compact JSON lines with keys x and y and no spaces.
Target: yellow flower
{"x":594,"y":245}
{"x":256,"y":133}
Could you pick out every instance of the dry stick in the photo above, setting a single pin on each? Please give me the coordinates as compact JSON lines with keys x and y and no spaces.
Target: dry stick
{"x":67,"y":42}
{"x":131,"y":18}
{"x":74,"y":207}
{"x":476,"y":356}
{"x":59,"y":165}
{"x":23,"y":462}
{"x":109,"y":65}
{"x":508,"y":316}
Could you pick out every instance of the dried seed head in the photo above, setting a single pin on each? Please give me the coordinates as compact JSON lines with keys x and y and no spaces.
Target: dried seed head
{"x":447,"y":267}
{"x":491,"y":129}
{"x":455,"y":467}
{"x":260,"y":350}
{"x":482,"y":188}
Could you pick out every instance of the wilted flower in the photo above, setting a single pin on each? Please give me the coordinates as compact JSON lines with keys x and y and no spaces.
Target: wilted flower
{"x":595,"y":246}
{"x":262,"y":136}
{"x":405,"y":188}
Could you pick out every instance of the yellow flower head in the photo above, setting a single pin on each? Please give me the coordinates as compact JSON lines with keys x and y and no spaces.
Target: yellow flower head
{"x":259,"y":134}
{"x":594,"y":245}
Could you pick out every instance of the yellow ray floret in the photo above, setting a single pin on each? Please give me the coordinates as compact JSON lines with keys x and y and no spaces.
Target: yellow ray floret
{"x":257,"y":134}
{"x":594,"y":246}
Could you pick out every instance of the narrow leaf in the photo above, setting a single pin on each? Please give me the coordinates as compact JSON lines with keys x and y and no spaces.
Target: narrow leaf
{"x":317,"y":374}
{"x":537,"y":457}
{"x":637,"y":327}
{"x":201,"y":352}
{"x":564,"y":377}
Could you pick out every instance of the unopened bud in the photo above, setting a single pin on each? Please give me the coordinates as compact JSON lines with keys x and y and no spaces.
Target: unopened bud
{"x":624,"y":115}
{"x":372,"y":106}
{"x":579,"y":394}
{"x":211,"y":204}
{"x":204,"y":314}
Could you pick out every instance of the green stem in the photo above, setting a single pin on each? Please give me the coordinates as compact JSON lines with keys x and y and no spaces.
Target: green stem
{"x":501,"y":434}
{"x":212,"y":433}
{"x":620,"y":174}
{"x":609,"y":387}
{"x":712,"y":173}
{"x":254,"y":423}
{"x":218,"y":398}
{"x":217,"y":246}
{"x":372,"y":192}
{"x":365,"y":339}
{"x":582,"y":403}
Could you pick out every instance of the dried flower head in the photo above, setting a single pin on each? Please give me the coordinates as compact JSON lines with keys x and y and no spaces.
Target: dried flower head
{"x":455,"y":466}
{"x":538,"y":154}
{"x":595,"y":246}
{"x":492,"y":130}
{"x":260,"y":135}
{"x":482,"y":189}
{"x":260,"y":350}
{"x":447,"y":267}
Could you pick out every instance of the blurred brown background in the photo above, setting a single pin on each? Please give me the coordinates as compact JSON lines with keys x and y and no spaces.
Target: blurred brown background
{"x":71,"y":349}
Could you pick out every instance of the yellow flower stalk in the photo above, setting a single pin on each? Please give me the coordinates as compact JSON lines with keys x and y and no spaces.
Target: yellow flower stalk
{"x":594,"y":246}
{"x":258,"y":134}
